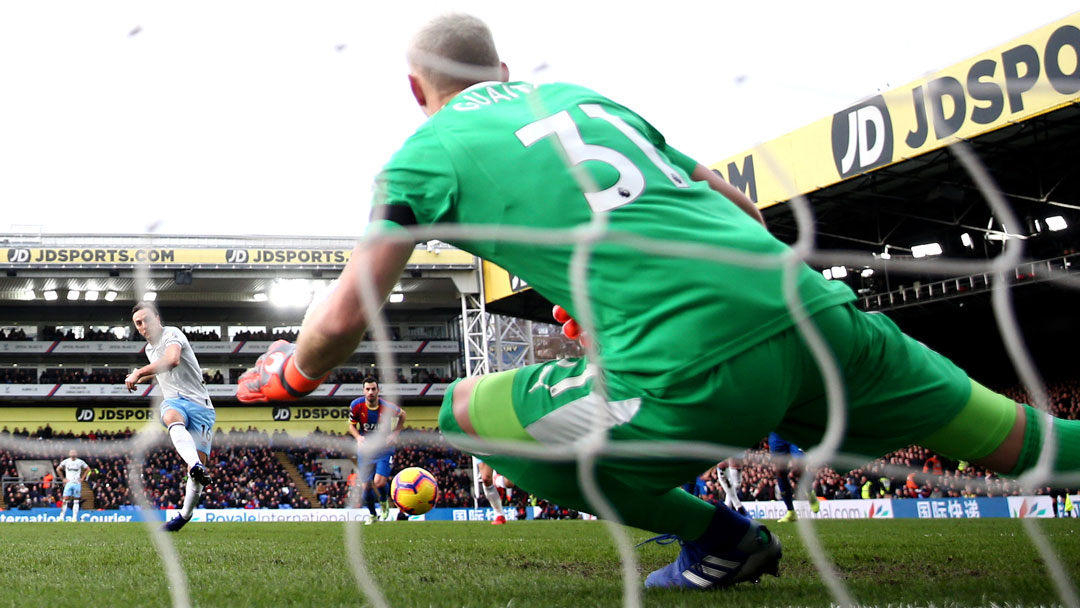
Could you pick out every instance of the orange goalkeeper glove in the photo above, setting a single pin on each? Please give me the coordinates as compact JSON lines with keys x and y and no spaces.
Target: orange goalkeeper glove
{"x":570,"y":327}
{"x":275,"y":377}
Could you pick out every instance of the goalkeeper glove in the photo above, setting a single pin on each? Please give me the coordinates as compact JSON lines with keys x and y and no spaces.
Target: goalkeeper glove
{"x":275,"y":377}
{"x":570,"y":327}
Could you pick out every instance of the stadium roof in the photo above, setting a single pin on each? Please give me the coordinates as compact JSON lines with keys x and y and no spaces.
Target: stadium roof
{"x":206,"y":277}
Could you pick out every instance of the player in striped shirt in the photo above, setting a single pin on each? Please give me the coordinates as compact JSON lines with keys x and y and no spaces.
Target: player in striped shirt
{"x":365,"y":415}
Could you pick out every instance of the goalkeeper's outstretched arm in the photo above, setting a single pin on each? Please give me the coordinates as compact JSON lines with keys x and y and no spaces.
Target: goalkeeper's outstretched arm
{"x":334,"y":327}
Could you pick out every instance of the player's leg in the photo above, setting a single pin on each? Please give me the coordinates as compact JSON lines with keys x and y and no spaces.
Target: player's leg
{"x":383,"y":468}
{"x":780,"y":448}
{"x":175,"y":416}
{"x":66,"y":500}
{"x":731,"y":497}
{"x":382,"y":494}
{"x":995,"y":432}
{"x":366,"y":477}
{"x":734,"y":479}
{"x":487,"y":482}
{"x":785,"y":471}
{"x":899,"y":392}
{"x":201,"y":426}
{"x":552,"y":404}
{"x":197,"y":425}
{"x":502,"y":481}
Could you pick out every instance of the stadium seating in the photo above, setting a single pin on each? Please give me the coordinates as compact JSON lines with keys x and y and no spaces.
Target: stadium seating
{"x":248,"y":474}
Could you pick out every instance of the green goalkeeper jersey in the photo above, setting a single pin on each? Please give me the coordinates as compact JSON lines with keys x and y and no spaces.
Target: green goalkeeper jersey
{"x":551,"y":157}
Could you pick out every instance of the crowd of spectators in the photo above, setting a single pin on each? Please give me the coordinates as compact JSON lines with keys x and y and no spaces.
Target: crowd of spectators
{"x":331,"y":485}
{"x":452,"y":468}
{"x":108,"y":479}
{"x":198,"y":335}
{"x":417,"y":376}
{"x":52,"y":332}
{"x":80,"y":376}
{"x":343,"y":376}
{"x":265,"y":336}
{"x":911,"y":472}
{"x":428,"y":376}
{"x":357,"y":377}
{"x":72,"y":375}
{"x":15,"y":375}
{"x":89,"y":334}
{"x":13,"y":334}
{"x":247,"y":473}
{"x":393,"y":331}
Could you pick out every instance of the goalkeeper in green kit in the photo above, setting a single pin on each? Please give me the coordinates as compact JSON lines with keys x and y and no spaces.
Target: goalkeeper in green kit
{"x":691,"y":349}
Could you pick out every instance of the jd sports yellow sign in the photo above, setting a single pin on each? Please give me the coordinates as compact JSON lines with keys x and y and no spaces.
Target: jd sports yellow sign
{"x":1029,"y":76}
{"x":213,"y":258}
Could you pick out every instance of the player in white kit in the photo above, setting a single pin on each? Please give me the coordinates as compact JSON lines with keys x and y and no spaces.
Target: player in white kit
{"x":73,"y":470}
{"x":186,"y":409}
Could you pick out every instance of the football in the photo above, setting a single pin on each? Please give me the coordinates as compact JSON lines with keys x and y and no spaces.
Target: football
{"x":414,"y":490}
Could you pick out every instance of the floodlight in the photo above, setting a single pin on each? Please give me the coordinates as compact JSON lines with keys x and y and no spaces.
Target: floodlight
{"x":921,"y":251}
{"x":290,"y":293}
{"x":1056,"y":223}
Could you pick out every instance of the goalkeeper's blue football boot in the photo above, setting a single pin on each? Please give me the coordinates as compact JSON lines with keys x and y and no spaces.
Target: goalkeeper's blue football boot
{"x":174,"y":524}
{"x":714,"y":562}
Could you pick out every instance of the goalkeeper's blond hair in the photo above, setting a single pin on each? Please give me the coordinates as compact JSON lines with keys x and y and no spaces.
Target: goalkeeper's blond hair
{"x":454,"y":51}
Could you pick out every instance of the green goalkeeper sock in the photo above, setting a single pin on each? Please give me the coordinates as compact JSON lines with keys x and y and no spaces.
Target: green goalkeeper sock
{"x":1066,"y":447}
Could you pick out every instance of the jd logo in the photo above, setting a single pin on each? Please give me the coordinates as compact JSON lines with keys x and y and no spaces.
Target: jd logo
{"x":517,"y":283}
{"x":18,"y":256}
{"x":862,"y":137}
{"x":84,"y":414}
{"x":282,"y":414}
{"x":236,"y":256}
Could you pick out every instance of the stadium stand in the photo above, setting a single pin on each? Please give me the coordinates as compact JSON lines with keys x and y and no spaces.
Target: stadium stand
{"x":13,"y":334}
{"x":256,"y":469}
{"x":12,"y":375}
{"x":79,"y":376}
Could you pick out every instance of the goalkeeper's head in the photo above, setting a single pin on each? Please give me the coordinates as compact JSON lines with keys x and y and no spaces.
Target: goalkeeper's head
{"x":449,"y":54}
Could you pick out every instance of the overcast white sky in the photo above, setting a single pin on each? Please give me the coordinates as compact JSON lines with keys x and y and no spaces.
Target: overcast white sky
{"x":268,"y":117}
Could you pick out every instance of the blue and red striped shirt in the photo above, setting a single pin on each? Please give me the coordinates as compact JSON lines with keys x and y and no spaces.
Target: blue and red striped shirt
{"x":366,"y":418}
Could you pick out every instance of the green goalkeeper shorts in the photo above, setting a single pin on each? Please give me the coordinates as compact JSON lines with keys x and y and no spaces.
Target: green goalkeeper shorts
{"x":897,"y":392}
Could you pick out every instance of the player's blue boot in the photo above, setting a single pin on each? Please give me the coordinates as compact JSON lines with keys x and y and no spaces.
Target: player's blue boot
{"x":712,"y":562}
{"x":174,"y":524}
{"x":200,"y":474}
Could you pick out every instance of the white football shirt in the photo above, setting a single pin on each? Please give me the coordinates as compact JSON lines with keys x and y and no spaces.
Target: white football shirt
{"x":73,"y":468}
{"x":185,"y":379}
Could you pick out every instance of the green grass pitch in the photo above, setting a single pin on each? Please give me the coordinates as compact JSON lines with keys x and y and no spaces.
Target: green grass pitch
{"x":574,"y":563}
